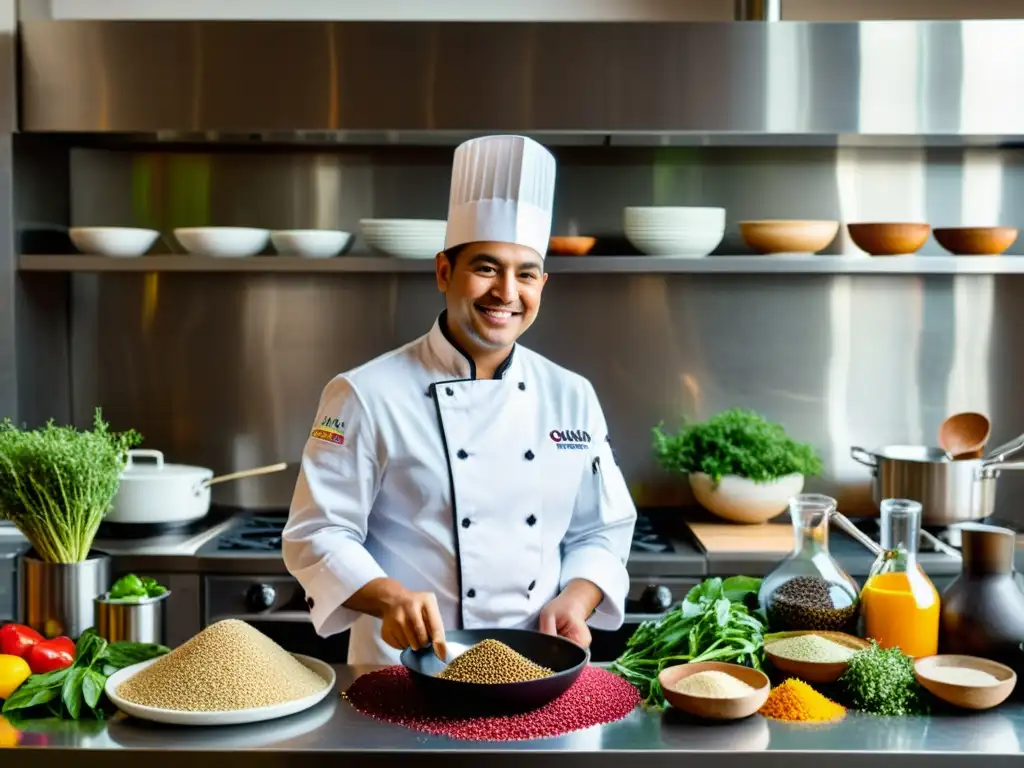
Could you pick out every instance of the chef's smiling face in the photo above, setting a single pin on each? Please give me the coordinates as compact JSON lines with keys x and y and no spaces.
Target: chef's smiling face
{"x":492,"y":293}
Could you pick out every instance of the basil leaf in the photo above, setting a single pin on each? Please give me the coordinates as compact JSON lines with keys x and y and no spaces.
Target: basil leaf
{"x":71,"y":692}
{"x":122,"y":655}
{"x":92,"y":687}
{"x":27,"y":698}
{"x":45,"y":680}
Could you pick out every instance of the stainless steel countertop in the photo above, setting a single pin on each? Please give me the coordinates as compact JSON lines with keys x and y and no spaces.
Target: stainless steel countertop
{"x":333,"y":733}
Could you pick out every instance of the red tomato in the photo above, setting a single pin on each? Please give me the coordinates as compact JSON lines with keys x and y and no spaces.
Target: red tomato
{"x":49,"y":655}
{"x":17,"y":639}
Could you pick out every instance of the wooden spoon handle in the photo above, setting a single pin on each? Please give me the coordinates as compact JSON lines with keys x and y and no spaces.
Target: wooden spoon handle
{"x":269,"y":469}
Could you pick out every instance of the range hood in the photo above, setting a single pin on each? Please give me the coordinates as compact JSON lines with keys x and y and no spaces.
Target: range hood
{"x":438,"y":82}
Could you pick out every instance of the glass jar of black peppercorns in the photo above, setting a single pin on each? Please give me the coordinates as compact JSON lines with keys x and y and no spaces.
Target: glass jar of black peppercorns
{"x":808,"y":590}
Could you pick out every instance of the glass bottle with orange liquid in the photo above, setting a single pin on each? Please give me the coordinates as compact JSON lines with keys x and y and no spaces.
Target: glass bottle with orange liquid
{"x":899,"y":603}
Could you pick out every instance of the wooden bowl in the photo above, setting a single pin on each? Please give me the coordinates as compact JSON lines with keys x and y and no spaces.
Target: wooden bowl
{"x":966,"y":696}
{"x":976,"y":241}
{"x":889,"y":239}
{"x":716,"y":709}
{"x":788,"y":236}
{"x":814,"y":671}
{"x":571,"y":246}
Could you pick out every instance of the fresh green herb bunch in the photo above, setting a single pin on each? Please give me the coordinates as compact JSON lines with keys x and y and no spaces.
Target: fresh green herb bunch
{"x":735,"y":442}
{"x":715,"y":622}
{"x":57,"y":483}
{"x":880,"y":681}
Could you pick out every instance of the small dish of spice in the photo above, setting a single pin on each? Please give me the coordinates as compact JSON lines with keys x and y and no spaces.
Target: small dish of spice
{"x":969,"y":682}
{"x":818,"y":657}
{"x":715,"y":690}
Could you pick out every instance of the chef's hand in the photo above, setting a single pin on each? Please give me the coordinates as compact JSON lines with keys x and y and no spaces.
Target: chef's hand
{"x":410,"y":619}
{"x":567,"y":614}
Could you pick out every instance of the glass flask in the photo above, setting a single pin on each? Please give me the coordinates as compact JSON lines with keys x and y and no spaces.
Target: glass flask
{"x":808,"y":590}
{"x":899,"y":603}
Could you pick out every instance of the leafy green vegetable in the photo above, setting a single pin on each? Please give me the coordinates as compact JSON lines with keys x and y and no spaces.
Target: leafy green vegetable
{"x":57,"y":483}
{"x":735,"y":442}
{"x":881,"y":681}
{"x":130,"y":588}
{"x":69,"y":693}
{"x":715,"y":622}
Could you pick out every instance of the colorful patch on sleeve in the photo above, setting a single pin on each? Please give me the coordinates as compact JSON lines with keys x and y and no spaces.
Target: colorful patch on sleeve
{"x":330,"y":430}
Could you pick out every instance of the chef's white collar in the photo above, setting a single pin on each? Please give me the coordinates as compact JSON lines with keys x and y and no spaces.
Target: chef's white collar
{"x":455,"y":361}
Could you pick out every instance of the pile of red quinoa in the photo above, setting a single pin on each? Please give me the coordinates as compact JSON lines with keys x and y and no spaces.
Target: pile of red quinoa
{"x":595,"y":698}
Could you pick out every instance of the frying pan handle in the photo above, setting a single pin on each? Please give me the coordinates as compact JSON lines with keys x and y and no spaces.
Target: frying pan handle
{"x":861,"y":456}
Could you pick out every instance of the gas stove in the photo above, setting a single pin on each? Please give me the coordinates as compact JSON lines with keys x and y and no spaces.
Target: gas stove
{"x":262,"y":533}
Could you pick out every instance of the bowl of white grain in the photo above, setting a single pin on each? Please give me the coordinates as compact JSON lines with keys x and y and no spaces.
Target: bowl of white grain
{"x":969,"y":682}
{"x":715,"y":690}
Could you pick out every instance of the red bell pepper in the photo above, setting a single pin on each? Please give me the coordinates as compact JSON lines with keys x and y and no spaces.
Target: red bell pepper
{"x":17,"y":639}
{"x":51,"y":655}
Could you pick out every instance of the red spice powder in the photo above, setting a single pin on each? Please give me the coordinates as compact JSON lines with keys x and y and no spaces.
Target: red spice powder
{"x":596,"y":697}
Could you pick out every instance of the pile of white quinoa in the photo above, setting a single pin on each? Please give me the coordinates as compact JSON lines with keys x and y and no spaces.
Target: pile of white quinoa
{"x":228,"y":666}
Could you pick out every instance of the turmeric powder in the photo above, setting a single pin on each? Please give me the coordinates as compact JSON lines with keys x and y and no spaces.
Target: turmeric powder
{"x":796,"y":700}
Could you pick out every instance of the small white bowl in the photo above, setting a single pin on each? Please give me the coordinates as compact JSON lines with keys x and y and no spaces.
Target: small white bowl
{"x":225,"y":242}
{"x":119,"y":242}
{"x":311,"y":243}
{"x":740,"y":500}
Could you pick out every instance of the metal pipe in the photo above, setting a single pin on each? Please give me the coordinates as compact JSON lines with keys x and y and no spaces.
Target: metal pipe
{"x":758,"y":10}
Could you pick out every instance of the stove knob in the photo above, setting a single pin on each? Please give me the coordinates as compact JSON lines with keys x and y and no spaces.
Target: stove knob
{"x":260,"y":597}
{"x":656,"y":598}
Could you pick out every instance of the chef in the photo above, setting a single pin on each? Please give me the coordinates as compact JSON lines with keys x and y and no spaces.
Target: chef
{"x":462,"y":480}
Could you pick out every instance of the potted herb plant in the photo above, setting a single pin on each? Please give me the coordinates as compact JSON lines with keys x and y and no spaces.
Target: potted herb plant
{"x":741,"y":467}
{"x":56,"y":485}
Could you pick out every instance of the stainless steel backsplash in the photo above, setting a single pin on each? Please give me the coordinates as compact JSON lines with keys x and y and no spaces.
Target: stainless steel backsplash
{"x":225,"y":370}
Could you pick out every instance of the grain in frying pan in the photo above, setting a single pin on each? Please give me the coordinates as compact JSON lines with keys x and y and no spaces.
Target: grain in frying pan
{"x":228,"y":666}
{"x":490,"y":661}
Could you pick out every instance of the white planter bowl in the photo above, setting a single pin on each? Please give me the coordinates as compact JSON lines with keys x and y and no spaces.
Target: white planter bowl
{"x":740,"y":500}
{"x":119,"y":242}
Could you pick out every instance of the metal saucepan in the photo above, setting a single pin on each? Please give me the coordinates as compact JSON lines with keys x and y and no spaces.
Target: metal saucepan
{"x":159,"y":492}
{"x":949,"y":491}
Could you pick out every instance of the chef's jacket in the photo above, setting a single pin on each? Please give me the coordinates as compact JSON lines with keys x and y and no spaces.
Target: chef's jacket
{"x":493,"y":494}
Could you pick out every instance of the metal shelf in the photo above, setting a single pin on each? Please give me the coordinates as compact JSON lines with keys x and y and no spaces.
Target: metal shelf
{"x":776,"y":264}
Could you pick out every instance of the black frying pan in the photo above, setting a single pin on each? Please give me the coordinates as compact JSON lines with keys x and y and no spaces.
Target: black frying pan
{"x":564,"y":657}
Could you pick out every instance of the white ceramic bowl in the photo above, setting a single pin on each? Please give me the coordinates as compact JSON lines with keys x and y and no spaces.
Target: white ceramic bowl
{"x":225,"y":242}
{"x":405,"y":238}
{"x":119,"y":242}
{"x":740,"y":500}
{"x":674,"y":231}
{"x":311,"y":243}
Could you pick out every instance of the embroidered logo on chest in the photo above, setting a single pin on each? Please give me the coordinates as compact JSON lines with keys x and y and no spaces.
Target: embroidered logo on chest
{"x":570,"y":439}
{"x":330,"y":430}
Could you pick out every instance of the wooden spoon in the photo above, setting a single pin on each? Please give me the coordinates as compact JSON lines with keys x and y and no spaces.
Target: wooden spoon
{"x":963,"y":435}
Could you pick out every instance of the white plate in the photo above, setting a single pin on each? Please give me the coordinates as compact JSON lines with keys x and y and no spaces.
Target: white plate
{"x":234,"y":717}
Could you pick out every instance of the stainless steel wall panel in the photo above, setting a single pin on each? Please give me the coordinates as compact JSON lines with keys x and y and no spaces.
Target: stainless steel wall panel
{"x":901,"y":78}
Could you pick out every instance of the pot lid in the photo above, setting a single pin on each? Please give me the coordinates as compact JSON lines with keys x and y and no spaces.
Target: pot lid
{"x":150,"y":465}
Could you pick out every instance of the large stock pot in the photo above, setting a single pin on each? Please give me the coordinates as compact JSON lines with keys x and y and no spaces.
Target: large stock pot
{"x":949,"y":491}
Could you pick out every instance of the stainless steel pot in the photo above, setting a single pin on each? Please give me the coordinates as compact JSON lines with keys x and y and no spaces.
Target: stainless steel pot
{"x":140,"y":621}
{"x":57,"y":598}
{"x":949,"y":491}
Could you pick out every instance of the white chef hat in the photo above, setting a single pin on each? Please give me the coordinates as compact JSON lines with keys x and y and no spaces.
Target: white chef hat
{"x":503,"y":190}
